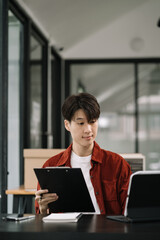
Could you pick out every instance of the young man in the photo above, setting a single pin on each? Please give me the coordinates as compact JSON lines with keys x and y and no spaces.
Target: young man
{"x":106,"y":173}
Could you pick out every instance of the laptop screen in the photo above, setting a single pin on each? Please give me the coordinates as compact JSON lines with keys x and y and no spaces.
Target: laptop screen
{"x":143,"y":193}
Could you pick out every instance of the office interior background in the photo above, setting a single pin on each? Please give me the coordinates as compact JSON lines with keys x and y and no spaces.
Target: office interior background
{"x":53,"y":48}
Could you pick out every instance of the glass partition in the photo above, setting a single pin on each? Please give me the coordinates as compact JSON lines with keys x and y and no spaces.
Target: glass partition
{"x":113,"y":86}
{"x":15,"y":68}
{"x":35,"y":93}
{"x":149,"y":114}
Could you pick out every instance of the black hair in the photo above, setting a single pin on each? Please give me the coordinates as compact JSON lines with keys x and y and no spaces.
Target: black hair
{"x":85,"y":101}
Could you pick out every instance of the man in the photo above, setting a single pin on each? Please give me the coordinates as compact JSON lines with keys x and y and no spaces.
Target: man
{"x":106,"y":173}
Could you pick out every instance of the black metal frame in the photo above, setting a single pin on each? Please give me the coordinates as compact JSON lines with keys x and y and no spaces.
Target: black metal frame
{"x":136,"y":107}
{"x":3,"y":102}
{"x":56,"y":98}
{"x":70,"y":62}
{"x":44,"y":43}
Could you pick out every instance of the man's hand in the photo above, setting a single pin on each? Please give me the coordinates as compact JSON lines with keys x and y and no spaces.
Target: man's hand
{"x":44,"y":198}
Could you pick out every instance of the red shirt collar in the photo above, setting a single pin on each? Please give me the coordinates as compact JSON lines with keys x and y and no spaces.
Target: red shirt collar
{"x":66,"y":156}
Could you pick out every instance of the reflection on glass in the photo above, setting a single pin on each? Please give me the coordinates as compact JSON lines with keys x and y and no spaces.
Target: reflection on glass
{"x":113,"y":86}
{"x":35,"y":93}
{"x":15,"y":59}
{"x":149,"y":116}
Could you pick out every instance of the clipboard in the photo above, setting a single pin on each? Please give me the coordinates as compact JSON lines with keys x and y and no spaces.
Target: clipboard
{"x":70,"y":186}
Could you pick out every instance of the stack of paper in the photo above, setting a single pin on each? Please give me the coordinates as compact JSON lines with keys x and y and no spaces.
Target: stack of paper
{"x":62,"y":217}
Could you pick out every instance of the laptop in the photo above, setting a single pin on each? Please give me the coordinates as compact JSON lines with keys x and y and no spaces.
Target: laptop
{"x":143,"y":198}
{"x":70,"y":186}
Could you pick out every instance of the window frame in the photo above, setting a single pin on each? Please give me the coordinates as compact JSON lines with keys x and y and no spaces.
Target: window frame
{"x":135,"y":62}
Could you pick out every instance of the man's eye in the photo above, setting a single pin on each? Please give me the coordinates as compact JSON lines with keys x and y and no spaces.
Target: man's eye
{"x":81,"y":123}
{"x":93,"y":121}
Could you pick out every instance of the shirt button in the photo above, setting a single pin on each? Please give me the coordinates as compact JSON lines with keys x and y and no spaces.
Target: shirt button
{"x":91,"y":177}
{"x":97,"y":193}
{"x":101,"y":210}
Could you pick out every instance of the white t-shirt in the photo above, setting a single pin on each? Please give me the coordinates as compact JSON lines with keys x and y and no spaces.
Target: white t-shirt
{"x":85,"y":164}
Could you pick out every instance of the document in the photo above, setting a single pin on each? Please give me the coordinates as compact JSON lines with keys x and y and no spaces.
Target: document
{"x":62,"y":217}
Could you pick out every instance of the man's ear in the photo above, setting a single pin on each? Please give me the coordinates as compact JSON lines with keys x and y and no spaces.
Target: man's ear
{"x":67,"y":125}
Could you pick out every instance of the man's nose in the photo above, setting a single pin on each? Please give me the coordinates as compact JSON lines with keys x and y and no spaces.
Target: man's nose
{"x":87,"y":128}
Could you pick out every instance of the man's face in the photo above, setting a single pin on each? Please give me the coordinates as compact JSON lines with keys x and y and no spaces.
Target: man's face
{"x":83,"y":132}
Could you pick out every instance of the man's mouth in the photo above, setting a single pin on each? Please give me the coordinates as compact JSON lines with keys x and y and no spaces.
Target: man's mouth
{"x":87,"y":137}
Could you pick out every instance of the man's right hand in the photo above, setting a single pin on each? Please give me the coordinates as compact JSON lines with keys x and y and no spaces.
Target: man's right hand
{"x":44,"y":198}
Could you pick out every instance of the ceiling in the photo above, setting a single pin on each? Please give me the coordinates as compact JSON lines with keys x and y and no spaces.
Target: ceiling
{"x":76,"y":26}
{"x":98,"y":29}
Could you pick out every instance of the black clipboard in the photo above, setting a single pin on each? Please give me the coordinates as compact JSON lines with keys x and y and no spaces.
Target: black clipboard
{"x":70,"y":186}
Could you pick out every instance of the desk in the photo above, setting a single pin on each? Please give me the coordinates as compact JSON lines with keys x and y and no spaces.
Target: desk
{"x":22,"y":200}
{"x":89,"y":227}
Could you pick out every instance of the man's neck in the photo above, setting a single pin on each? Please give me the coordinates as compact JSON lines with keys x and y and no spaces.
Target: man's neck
{"x":82,"y":151}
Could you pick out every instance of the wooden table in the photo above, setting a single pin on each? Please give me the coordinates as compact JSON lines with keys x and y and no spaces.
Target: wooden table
{"x":22,"y":200}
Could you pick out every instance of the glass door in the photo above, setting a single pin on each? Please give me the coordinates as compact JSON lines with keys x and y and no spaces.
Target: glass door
{"x":15,"y":70}
{"x":149,"y":114}
{"x":37,"y":93}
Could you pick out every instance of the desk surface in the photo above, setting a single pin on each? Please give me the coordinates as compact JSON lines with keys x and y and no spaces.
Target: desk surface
{"x":89,"y":227}
{"x":20,"y":191}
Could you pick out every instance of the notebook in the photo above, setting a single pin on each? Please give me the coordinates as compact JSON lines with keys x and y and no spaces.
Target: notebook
{"x":70,"y":186}
{"x":62,"y":217}
{"x":143,"y":198}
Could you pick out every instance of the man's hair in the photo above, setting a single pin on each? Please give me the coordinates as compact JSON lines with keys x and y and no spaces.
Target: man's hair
{"x":85,"y":101}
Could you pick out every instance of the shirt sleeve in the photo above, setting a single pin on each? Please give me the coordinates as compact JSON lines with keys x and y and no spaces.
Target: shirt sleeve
{"x":123,"y":183}
{"x":36,"y":203}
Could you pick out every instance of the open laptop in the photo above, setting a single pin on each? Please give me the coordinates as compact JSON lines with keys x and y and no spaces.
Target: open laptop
{"x":143,"y":198}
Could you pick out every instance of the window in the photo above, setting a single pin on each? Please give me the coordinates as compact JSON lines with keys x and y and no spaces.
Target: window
{"x":37,"y":91}
{"x":149,"y":114}
{"x":15,"y":68}
{"x":113,"y":86}
{"x":129,"y":95}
